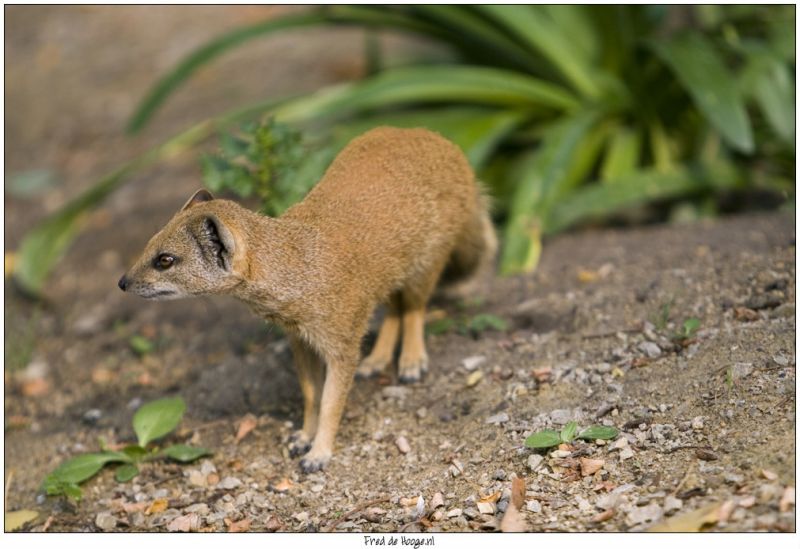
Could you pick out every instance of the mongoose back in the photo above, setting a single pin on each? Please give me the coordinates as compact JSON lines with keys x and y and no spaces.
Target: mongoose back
{"x":396,"y":208}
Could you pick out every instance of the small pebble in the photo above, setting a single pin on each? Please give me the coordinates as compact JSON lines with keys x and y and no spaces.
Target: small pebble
{"x":437,"y":500}
{"x":395,"y":391}
{"x":472,"y":362}
{"x":486,"y":508}
{"x":229,"y":483}
{"x":317,"y":488}
{"x":672,"y":504}
{"x":533,"y":506}
{"x":698,"y":423}
{"x":301,"y":517}
{"x":92,"y":416}
{"x":402,"y":445}
{"x":105,"y":521}
{"x":639,"y":515}
{"x":781,"y":360}
{"x":534,"y":461}
{"x":650,"y":349}
{"x":471,"y":513}
{"x":452,"y":513}
{"x":499,"y":475}
{"x":498,"y":419}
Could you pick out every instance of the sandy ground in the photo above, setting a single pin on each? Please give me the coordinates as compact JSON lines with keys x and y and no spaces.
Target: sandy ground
{"x":706,"y":422}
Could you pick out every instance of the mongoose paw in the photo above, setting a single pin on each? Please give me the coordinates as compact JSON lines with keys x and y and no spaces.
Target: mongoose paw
{"x":298,"y":444}
{"x":370,"y":367}
{"x":312,"y":464}
{"x":411,"y":371}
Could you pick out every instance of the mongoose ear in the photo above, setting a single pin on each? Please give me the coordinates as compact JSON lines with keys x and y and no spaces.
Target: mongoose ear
{"x":200,"y":196}
{"x":219,"y":242}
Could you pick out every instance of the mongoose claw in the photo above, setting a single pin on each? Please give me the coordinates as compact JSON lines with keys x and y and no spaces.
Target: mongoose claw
{"x":298,"y":448}
{"x":312,"y":465}
{"x":412,"y":372}
{"x":370,"y":368}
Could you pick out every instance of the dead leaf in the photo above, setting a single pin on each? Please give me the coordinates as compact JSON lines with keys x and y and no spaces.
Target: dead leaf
{"x":787,"y":499}
{"x":725,"y":510}
{"x":137,"y":507}
{"x":35,"y":387}
{"x":744,"y":314}
{"x":240,"y":526}
{"x":518,"y":492}
{"x":184,"y":523}
{"x":616,"y":372}
{"x":157,"y":506}
{"x":283,"y":486}
{"x":273,"y":524}
{"x":603,"y":516}
{"x":9,"y":260}
{"x":236,"y":464}
{"x":102,"y":375}
{"x":247,"y":424}
{"x":605,"y":485}
{"x":587,"y":276}
{"x":17,"y":422}
{"x":542,"y":375}
{"x":212,"y":479}
{"x":513,"y":521}
{"x":689,"y":522}
{"x":747,"y":502}
{"x":640,"y":361}
{"x":769,"y":475}
{"x":591,"y":466}
{"x":474,"y":378}
{"x":491,"y":498}
{"x":17,"y":519}
{"x":145,"y":379}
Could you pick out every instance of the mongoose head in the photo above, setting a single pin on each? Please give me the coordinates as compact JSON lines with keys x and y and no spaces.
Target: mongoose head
{"x":196,"y":253}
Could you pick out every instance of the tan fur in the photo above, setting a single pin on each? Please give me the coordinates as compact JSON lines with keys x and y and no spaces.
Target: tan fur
{"x":392,"y":211}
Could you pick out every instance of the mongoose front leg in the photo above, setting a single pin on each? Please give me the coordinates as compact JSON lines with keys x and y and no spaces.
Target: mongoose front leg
{"x":311,"y":375}
{"x":338,"y":379}
{"x":413,"y":358}
{"x":383,"y":351}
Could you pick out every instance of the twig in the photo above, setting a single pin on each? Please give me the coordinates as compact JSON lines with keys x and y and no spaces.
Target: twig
{"x":611,"y":333}
{"x":47,"y":523}
{"x":358,"y":509}
{"x":683,"y":480}
{"x":8,"y":487}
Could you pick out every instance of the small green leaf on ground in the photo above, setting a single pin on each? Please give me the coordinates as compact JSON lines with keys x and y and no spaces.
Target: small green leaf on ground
{"x":568,"y":432}
{"x":158,"y":418}
{"x":690,"y":326}
{"x":141,"y":345}
{"x":482,"y":322}
{"x":543,"y":439}
{"x":135,"y":452}
{"x":78,"y":469}
{"x":183,"y":453}
{"x":17,"y":519}
{"x":440,"y":326}
{"x":598,"y":431}
{"x":126,"y":472}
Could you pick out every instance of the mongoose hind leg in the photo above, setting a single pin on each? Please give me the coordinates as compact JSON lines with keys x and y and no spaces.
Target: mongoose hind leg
{"x":413,"y":357}
{"x":311,"y":375}
{"x":383,"y":351}
{"x":338,"y":380}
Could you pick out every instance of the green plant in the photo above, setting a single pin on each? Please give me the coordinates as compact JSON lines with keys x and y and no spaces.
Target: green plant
{"x":466,"y":324}
{"x":569,"y":113}
{"x":549,"y":438}
{"x":688,"y":329}
{"x":150,"y":422}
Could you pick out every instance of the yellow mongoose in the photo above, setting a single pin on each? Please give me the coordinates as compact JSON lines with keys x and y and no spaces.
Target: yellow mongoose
{"x":394,"y":210}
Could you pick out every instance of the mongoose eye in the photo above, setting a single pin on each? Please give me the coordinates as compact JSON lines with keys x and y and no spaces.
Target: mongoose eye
{"x":164,"y":262}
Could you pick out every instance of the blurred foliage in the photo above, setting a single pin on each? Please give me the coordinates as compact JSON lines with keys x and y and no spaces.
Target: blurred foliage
{"x":570,"y":113}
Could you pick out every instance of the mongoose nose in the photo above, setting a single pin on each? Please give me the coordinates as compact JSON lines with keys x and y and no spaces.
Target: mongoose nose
{"x":123,"y":283}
